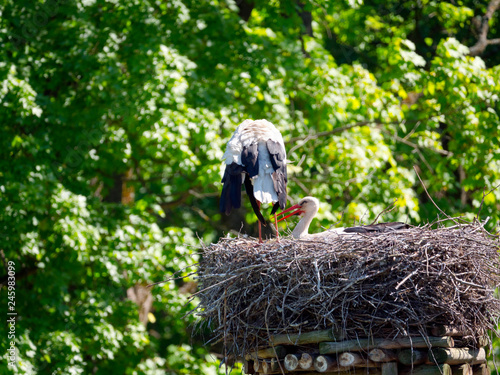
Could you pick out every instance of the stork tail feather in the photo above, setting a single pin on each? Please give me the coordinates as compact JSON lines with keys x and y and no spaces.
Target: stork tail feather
{"x":231,"y":190}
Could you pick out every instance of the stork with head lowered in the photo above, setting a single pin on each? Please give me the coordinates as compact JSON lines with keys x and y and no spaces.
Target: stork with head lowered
{"x":255,"y":156}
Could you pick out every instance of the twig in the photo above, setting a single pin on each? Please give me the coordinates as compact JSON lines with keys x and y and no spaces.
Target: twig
{"x":432,"y":200}
{"x":387,"y":210}
{"x":482,"y":200}
{"x":309,"y":137}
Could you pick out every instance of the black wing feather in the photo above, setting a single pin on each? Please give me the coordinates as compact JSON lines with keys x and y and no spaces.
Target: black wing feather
{"x":280,"y":178}
{"x":250,"y":159}
{"x":231,"y":190}
{"x":373,"y":228}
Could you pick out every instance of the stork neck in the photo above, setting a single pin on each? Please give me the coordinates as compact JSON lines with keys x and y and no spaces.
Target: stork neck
{"x":302,"y":227}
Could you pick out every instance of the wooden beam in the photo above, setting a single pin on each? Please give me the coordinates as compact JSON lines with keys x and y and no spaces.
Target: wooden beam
{"x":443,"y":369}
{"x":350,"y":359}
{"x":402,"y":342}
{"x":390,"y":368}
{"x":457,"y":356}
{"x":382,"y":355}
{"x":353,"y":371}
{"x":448,"y":331}
{"x":412,"y":357}
{"x":306,"y":337}
{"x":268,"y":353}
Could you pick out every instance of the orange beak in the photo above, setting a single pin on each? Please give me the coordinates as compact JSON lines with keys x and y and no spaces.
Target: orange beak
{"x":297,"y":208}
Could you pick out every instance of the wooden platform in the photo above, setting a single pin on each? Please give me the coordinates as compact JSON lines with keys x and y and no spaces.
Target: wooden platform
{"x":315,"y":352}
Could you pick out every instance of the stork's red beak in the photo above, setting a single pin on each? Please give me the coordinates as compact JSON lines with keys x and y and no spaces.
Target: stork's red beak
{"x":297,"y":208}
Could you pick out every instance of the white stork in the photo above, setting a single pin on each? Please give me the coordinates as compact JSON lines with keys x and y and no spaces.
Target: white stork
{"x":308,"y":207}
{"x":255,"y":156}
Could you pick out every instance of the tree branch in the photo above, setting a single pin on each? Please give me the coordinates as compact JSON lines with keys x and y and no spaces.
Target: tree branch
{"x":308,"y":137}
{"x":483,"y":40}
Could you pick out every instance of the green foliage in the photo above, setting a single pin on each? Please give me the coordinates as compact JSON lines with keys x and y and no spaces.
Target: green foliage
{"x":102,"y":98}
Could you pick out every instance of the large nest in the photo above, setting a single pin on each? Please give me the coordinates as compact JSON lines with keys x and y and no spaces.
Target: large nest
{"x":377,"y":285}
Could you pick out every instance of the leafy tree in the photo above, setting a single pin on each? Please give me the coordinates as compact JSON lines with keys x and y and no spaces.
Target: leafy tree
{"x":114,"y":117}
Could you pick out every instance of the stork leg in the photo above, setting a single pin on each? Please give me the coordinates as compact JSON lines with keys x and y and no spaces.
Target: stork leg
{"x":260,"y":225}
{"x":260,"y":232}
{"x":277,"y":231}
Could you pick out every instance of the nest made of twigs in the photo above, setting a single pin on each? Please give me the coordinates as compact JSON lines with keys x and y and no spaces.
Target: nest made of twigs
{"x":377,"y":285}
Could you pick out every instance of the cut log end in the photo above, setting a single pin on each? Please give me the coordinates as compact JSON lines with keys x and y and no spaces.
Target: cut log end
{"x":382,"y":355}
{"x":291,"y":362}
{"x":306,"y":361}
{"x":324,"y":363}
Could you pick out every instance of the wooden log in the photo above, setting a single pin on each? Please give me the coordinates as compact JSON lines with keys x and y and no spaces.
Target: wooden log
{"x":291,"y":362}
{"x":248,"y":367}
{"x":462,"y":342}
{"x":402,"y":342}
{"x":481,"y":369}
{"x":270,"y":366}
{"x":352,"y":371}
{"x":457,"y":356}
{"x":350,"y":359}
{"x":256,"y":366}
{"x":443,"y":369}
{"x":483,"y":341}
{"x":306,"y":337}
{"x":326,"y":363}
{"x":412,"y":357}
{"x":465,"y":369}
{"x":382,"y":355}
{"x":390,"y":368}
{"x":306,"y":361}
{"x":268,"y":353}
{"x":448,"y":331}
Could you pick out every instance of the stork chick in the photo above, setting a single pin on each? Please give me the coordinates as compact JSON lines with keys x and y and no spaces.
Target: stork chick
{"x":308,"y":208}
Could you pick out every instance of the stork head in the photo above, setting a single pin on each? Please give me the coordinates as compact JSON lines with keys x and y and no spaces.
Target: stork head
{"x":308,"y":206}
